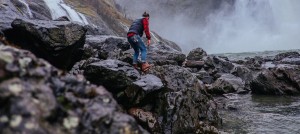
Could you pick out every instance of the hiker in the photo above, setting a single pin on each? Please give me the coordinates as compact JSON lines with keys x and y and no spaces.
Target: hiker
{"x":134,"y":38}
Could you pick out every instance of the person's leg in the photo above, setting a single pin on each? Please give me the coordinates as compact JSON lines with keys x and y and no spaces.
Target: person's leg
{"x":135,"y":47}
{"x":143,"y":49}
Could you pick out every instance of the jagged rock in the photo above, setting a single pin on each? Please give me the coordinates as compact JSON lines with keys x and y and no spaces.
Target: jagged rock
{"x":107,"y":47}
{"x":183,"y":103}
{"x":292,"y":61}
{"x":145,"y":118}
{"x":62,"y":18}
{"x":142,"y":87}
{"x":204,"y":77}
{"x":281,"y":56}
{"x":244,"y":73}
{"x":254,"y":63}
{"x":227,"y":83}
{"x":59,"y":42}
{"x":194,"y":64}
{"x":222,"y":65}
{"x":279,"y":80}
{"x":35,"y":97}
{"x":113,"y":74}
{"x":196,"y":54}
{"x":162,"y":54}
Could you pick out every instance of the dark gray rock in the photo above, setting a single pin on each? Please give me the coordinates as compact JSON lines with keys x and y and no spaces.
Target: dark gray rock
{"x":292,"y":61}
{"x":194,"y":64}
{"x":162,"y":54}
{"x":222,"y":65}
{"x":196,"y":54}
{"x":62,"y":18}
{"x":183,"y":102}
{"x":279,"y":80}
{"x":281,"y":56}
{"x":107,"y":47}
{"x":244,"y":73}
{"x":144,"y":86}
{"x":227,"y":83}
{"x":204,"y":77}
{"x":113,"y":74}
{"x":35,"y":97}
{"x":59,"y":42}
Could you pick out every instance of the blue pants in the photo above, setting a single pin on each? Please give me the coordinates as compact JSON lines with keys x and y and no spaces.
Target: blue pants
{"x":138,"y":45}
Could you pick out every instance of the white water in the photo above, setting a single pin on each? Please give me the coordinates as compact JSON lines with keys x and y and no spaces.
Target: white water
{"x":257,"y":26}
{"x":27,"y":8}
{"x":59,"y":8}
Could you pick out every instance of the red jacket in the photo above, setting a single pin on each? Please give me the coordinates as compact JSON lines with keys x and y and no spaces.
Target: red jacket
{"x":145,"y":22}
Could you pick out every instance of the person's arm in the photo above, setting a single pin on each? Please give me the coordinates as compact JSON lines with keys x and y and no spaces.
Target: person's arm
{"x":146,"y":29}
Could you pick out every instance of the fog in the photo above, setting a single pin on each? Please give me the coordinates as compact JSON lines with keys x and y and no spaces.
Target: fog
{"x":245,"y":26}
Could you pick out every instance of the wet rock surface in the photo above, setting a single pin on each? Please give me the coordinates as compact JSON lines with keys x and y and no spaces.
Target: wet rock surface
{"x":59,"y":42}
{"x":38,"y":98}
{"x":280,"y":80}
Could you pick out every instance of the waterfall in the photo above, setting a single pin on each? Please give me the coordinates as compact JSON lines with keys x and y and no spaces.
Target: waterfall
{"x":58,"y":8}
{"x":27,"y":8}
{"x":254,"y":25}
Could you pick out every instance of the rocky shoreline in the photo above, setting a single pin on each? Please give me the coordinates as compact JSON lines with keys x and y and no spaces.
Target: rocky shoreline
{"x":57,"y":77}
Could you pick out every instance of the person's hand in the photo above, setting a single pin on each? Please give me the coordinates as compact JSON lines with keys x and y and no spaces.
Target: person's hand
{"x":148,"y":42}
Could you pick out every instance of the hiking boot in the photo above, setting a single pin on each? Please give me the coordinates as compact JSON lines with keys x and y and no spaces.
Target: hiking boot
{"x":145,"y":67}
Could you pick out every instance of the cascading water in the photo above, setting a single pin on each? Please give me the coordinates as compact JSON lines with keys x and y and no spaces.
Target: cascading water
{"x":59,"y":8}
{"x":28,"y":11}
{"x":254,"y":25}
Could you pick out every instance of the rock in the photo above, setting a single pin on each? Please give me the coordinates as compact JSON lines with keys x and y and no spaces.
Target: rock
{"x":35,"y":97}
{"x":281,"y":56}
{"x":222,"y":65}
{"x":280,"y":80}
{"x":194,"y":64}
{"x":162,"y":54}
{"x":113,"y":74}
{"x":146,"y":118}
{"x":292,"y":61}
{"x":227,"y":83}
{"x":183,"y":102}
{"x":204,"y":77}
{"x":244,"y":73}
{"x":196,"y":54}
{"x":59,"y":42}
{"x":62,"y":18}
{"x":106,"y":47}
{"x":144,"y":86}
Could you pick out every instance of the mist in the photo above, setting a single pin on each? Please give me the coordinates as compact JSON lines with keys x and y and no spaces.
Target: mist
{"x":242,"y":26}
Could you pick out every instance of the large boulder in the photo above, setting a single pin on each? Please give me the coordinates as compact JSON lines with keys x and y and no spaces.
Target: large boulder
{"x":35,"y":97}
{"x":59,"y":42}
{"x":279,"y":80}
{"x":281,"y":56}
{"x":196,"y":54}
{"x":125,"y":82}
{"x":183,"y":103}
{"x":227,"y":83}
{"x":113,"y":74}
{"x":107,"y":47}
{"x":162,"y":54}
